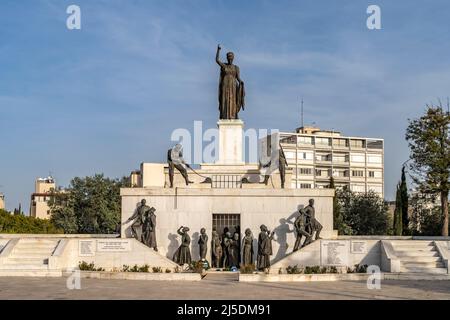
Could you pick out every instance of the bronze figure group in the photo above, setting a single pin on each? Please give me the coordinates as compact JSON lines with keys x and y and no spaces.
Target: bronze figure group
{"x":307,"y":225}
{"x":143,"y":227}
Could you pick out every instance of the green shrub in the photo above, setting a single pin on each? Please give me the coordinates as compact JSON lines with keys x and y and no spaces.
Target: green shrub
{"x":294,"y":270}
{"x":157,"y":270}
{"x":168,"y":271}
{"x":21,"y":224}
{"x":312,"y":270}
{"x":247,"y":268}
{"x":196,"y":266}
{"x":84,"y":266}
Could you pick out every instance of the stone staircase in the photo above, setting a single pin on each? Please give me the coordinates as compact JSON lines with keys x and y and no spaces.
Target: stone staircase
{"x":29,"y":254}
{"x":418,"y":256}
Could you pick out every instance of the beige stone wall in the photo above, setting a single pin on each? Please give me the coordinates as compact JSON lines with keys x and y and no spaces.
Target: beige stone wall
{"x":2,"y":202}
{"x":194,"y":207}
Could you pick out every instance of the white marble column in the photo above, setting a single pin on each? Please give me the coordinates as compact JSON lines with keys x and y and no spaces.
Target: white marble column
{"x":230,"y":142}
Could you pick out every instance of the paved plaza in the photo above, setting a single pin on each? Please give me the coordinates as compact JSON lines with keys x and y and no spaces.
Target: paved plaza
{"x":218,"y":287}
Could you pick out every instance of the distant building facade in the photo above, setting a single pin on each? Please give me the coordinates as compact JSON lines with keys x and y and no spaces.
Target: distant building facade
{"x":317,"y":155}
{"x":2,"y":201}
{"x":44,"y":188}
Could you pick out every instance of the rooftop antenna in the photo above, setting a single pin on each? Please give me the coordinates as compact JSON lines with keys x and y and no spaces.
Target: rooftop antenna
{"x":301,"y":118}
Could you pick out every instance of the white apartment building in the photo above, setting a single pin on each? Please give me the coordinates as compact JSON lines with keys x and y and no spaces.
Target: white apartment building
{"x":2,"y":201}
{"x":315,"y":155}
{"x":44,"y":188}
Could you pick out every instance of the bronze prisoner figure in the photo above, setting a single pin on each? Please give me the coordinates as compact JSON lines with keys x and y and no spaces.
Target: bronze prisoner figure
{"x":247,"y":245}
{"x":203,"y":243}
{"x":183,"y":253}
{"x":216,"y":248}
{"x":231,"y":88}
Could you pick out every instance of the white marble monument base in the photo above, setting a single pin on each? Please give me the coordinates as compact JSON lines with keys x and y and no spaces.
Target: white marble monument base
{"x":230,"y":142}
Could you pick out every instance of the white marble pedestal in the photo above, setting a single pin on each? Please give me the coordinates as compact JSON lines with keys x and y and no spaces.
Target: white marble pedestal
{"x":230,"y":142}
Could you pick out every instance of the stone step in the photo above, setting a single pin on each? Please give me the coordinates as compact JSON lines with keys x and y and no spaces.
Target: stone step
{"x":417,"y":253}
{"x":406,"y":248}
{"x":25,"y":255}
{"x":416,"y":264}
{"x":26,"y":260}
{"x":23,"y":267}
{"x":21,"y":251}
{"x":424,"y":270}
{"x":420,"y":259}
{"x":413,"y":244}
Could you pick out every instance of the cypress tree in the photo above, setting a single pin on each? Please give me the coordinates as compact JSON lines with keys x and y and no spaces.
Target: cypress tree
{"x":398,"y":221}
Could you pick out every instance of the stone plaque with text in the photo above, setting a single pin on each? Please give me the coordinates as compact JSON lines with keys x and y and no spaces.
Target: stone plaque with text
{"x":86,"y":248}
{"x":358,"y":246}
{"x":334,"y":252}
{"x":113,"y":245}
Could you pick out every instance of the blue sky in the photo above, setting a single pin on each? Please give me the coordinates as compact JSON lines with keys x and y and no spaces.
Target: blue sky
{"x":108,"y":96}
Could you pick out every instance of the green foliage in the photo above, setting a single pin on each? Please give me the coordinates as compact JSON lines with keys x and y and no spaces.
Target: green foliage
{"x":156,"y":270}
{"x":247,"y":268}
{"x":136,"y":268}
{"x":398,"y":218}
{"x":84,"y":266}
{"x":168,"y":271}
{"x":405,"y":203}
{"x":22,"y":224}
{"x":362,"y":213}
{"x":91,"y":205}
{"x":358,"y":268}
{"x":197,"y":266}
{"x":294,"y":270}
{"x":429,"y":142}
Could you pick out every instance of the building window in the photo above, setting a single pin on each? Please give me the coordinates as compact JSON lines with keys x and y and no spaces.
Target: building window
{"x":305,"y":171}
{"x":305,"y":155}
{"x":357,"y":158}
{"x":305,"y":140}
{"x":374,"y":159}
{"x":357,"y":143}
{"x":322,"y":141}
{"x":305,"y":186}
{"x":375,"y":144}
{"x":340,"y":143}
{"x":371,"y":174}
{"x":357,"y":173}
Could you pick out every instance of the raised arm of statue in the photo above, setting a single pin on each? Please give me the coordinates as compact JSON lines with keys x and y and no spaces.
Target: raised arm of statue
{"x":218,"y":56}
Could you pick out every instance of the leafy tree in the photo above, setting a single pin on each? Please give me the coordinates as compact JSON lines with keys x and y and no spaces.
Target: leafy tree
{"x":398,"y":218}
{"x":426,"y":215}
{"x":363,"y":213}
{"x":405,"y":203}
{"x":429,"y":141}
{"x":338,"y":222}
{"x":21,"y":224}
{"x":90,"y":205}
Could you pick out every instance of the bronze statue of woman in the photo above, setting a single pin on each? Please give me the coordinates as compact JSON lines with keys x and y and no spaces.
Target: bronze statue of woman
{"x":231,"y":88}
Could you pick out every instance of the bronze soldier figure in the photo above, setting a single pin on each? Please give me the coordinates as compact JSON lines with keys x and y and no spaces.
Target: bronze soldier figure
{"x":282,"y":164}
{"x":301,"y":226}
{"x":311,"y":216}
{"x":175,"y":160}
{"x":139,"y":219}
{"x":149,"y":233}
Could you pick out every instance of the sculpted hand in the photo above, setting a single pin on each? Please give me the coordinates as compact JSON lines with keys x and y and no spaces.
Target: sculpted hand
{"x":219,"y":47}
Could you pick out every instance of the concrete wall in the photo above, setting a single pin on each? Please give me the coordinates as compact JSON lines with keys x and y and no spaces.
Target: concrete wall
{"x":311,"y":256}
{"x":67,"y":256}
{"x":194,"y":207}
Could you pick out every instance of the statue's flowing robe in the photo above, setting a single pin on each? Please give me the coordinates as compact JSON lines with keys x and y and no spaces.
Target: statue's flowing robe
{"x":247,"y":252}
{"x":203,"y":245}
{"x":264,"y":250}
{"x":231,"y":93}
{"x":183,"y":253}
